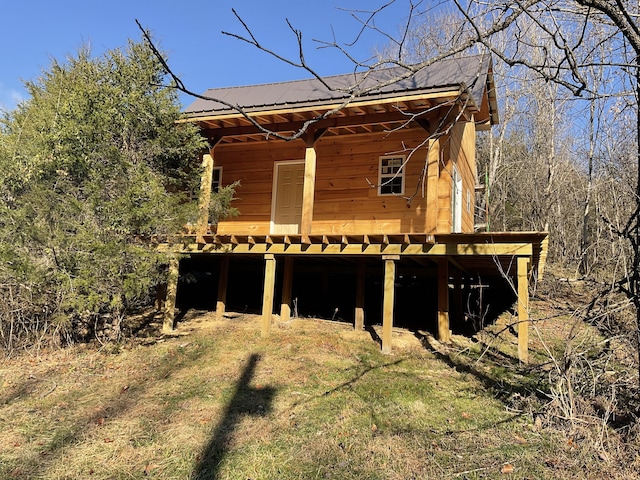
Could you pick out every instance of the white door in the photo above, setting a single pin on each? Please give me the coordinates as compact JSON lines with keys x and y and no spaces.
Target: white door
{"x":286,"y":208}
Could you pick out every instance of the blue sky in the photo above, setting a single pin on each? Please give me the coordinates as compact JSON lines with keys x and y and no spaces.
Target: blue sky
{"x":33,"y":32}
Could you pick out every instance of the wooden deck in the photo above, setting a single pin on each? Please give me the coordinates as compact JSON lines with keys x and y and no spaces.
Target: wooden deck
{"x":471,"y":252}
{"x":520,"y":256}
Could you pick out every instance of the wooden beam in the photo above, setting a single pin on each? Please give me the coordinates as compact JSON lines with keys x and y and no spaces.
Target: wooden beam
{"x":267,"y":296}
{"x":388,"y":300}
{"x":223,"y":277}
{"x":172,"y":290}
{"x":444,"y":334}
{"x":276,"y":244}
{"x":285,"y":303}
{"x":361,"y":279}
{"x":319,"y":132}
{"x":424,"y":123}
{"x":308,"y":190}
{"x":523,"y":309}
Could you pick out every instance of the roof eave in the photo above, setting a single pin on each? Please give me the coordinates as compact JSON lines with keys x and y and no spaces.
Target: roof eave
{"x":445,"y":92}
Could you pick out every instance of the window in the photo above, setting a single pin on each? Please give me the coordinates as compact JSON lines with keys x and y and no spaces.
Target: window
{"x":216,"y":179}
{"x":391,"y":175}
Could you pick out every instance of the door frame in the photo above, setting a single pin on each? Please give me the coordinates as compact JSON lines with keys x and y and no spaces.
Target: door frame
{"x":274,"y":193}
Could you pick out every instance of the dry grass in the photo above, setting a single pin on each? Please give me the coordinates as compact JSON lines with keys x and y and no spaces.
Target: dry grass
{"x":315,"y":400}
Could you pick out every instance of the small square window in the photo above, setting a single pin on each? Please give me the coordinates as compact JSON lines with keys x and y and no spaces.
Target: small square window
{"x":391,"y":175}
{"x":216,"y":179}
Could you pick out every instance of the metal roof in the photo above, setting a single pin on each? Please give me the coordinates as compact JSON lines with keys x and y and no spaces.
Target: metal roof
{"x":471,"y":75}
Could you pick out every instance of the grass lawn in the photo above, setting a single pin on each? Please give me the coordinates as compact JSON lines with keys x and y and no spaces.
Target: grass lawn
{"x":314,"y":400}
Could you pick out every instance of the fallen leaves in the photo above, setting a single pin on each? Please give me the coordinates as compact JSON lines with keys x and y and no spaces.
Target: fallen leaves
{"x":520,"y":440}
{"x":507,"y":468}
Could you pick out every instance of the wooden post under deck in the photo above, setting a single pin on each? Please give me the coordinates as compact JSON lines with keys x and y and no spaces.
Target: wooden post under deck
{"x":388,"y":300}
{"x":267,"y":297}
{"x":285,"y":303}
{"x":172,"y":290}
{"x":223,"y":277}
{"x":523,"y":309}
{"x":360,"y":286}
{"x":444,"y":334}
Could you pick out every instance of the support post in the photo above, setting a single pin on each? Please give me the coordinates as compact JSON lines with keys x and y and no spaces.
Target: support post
{"x":523,"y":309}
{"x":205,"y":192}
{"x":388,"y":300}
{"x":267,"y":297}
{"x":444,"y":334}
{"x":308,"y":190}
{"x":433,"y":177}
{"x":361,"y":279}
{"x":172,"y":290}
{"x":287,"y":282}
{"x":223,"y":277}
{"x":205,"y":197}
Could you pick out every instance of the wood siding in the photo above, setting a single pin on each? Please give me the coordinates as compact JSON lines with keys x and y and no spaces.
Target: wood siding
{"x":463,"y":153}
{"x":344,"y":201}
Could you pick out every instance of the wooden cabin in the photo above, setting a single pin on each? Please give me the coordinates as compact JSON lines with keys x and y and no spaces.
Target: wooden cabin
{"x":382,"y":179}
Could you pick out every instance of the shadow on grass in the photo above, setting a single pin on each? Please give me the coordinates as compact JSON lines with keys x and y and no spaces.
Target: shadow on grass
{"x":501,"y":388}
{"x":374,"y":335}
{"x":246,"y":400}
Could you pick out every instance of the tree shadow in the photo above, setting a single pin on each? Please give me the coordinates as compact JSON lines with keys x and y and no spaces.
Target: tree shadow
{"x":246,"y":400}
{"x":501,"y":388}
{"x":374,"y":335}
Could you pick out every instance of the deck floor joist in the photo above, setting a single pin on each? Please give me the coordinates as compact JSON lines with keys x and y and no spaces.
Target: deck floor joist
{"x":478,"y":252}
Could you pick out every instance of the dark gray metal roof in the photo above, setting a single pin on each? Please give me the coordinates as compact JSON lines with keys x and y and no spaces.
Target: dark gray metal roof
{"x":470,"y":73}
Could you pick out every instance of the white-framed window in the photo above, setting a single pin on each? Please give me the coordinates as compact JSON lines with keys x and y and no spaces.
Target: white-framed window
{"x":391,"y":175}
{"x":216,"y":179}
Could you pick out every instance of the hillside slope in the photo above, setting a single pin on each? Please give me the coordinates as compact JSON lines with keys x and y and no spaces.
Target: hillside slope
{"x":315,"y":400}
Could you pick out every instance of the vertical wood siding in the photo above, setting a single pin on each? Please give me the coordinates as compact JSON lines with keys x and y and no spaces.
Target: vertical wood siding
{"x":344,"y":201}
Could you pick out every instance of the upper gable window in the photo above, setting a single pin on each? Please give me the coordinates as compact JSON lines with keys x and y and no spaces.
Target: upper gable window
{"x":391,"y":175}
